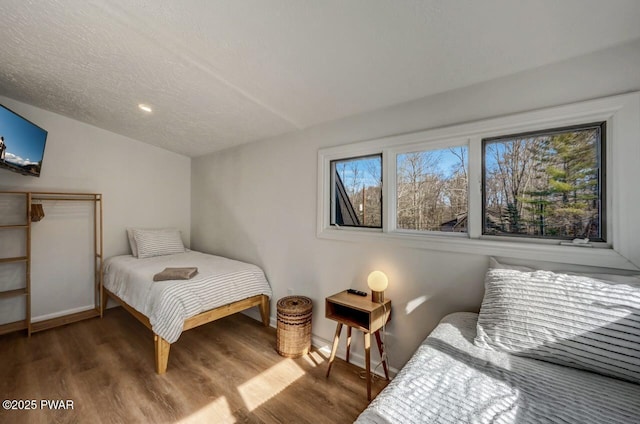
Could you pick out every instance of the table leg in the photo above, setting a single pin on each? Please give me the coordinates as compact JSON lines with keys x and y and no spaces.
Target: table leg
{"x":336,"y":339}
{"x":367,"y":359}
{"x":348,"y":342}
{"x":381,"y":350}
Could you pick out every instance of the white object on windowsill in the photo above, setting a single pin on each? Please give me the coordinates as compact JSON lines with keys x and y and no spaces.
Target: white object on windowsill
{"x":577,"y":242}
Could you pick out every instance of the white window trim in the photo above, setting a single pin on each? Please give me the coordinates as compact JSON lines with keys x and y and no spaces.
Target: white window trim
{"x":622,"y":114}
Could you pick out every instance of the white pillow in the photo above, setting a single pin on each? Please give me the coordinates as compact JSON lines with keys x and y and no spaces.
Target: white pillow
{"x":132,"y":239}
{"x":572,"y":320}
{"x":157,"y":242}
{"x":132,"y":242}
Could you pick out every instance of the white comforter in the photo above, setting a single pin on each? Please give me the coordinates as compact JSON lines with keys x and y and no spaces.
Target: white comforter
{"x":449,"y":380}
{"x":167,"y":304}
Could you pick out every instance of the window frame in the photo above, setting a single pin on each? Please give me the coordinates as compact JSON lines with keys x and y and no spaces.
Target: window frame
{"x":602,"y":180}
{"x":393,"y":169}
{"x":332,"y":172}
{"x":622,"y":116}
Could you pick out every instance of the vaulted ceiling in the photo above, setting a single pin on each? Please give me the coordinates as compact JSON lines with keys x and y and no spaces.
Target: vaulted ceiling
{"x":224,"y":72}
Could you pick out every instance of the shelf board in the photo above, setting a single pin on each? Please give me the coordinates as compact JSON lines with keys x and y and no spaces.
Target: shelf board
{"x":13,"y":293}
{"x":13,"y":326}
{"x":14,"y":226}
{"x":358,"y":324}
{"x":16,"y":259}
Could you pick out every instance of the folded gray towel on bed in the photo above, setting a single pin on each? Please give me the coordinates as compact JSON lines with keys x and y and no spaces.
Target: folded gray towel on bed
{"x":176,"y":274}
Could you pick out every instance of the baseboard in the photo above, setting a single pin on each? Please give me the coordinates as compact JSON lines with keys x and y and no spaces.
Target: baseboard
{"x":64,"y":320}
{"x":62,"y":313}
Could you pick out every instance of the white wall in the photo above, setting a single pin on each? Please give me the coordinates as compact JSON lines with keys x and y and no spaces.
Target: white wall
{"x":257,"y":202}
{"x":142,"y":185}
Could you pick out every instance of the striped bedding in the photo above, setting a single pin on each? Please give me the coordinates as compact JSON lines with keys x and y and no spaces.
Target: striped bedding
{"x":573,"y":320}
{"x":167,"y":304}
{"x":450,"y":380}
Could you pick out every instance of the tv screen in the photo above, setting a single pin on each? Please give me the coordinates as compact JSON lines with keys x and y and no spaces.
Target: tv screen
{"x":21,"y":143}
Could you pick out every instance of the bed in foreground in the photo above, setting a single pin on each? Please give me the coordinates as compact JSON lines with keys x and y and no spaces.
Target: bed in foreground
{"x":222,"y":287}
{"x":545,"y":348}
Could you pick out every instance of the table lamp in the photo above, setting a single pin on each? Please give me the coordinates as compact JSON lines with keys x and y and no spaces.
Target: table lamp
{"x":378,"y":283}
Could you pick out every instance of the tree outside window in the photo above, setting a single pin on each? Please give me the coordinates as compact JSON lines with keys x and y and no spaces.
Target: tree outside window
{"x":547,"y":184}
{"x":431,"y":190}
{"x":357,"y":186}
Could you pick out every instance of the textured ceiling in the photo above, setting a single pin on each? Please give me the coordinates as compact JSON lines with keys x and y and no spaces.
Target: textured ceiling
{"x":225,"y":72}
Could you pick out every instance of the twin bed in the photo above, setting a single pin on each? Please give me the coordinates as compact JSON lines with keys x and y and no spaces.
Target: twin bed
{"x":221,"y":287}
{"x":545,"y":348}
{"x":450,"y":380}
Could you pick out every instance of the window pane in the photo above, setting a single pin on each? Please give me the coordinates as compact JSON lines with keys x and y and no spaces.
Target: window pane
{"x":546,"y":184}
{"x":357,"y":197}
{"x":432,"y":190}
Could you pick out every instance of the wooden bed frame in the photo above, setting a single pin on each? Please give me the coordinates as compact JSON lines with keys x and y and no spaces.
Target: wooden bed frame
{"x":162,"y":346}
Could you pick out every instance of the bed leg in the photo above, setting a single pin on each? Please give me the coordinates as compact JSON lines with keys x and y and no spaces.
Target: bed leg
{"x":162,"y":353}
{"x":104,"y":298}
{"x":264,"y":310}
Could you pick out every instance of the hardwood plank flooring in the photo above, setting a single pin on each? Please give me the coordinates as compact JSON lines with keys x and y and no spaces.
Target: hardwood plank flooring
{"x":227,"y":371}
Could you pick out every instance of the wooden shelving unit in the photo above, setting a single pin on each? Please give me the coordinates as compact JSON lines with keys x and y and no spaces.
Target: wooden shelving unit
{"x":24,"y":292}
{"x":42,"y":197}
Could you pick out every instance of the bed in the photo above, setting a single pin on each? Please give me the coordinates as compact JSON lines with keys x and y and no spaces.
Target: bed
{"x":450,"y":380}
{"x":545,"y":348}
{"x":222,"y":287}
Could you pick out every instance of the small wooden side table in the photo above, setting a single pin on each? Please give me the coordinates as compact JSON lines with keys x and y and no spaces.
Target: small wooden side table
{"x":361,"y":313}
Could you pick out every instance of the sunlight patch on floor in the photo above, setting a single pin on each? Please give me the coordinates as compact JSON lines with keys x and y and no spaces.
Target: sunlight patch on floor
{"x":314,"y":358}
{"x":269,"y":383}
{"x":413,"y":304}
{"x":217,"y":411}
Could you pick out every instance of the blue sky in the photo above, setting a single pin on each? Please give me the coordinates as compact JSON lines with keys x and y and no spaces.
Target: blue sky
{"x":490,"y":161}
{"x":23,"y":139}
{"x":364,"y":167}
{"x":444,"y":161}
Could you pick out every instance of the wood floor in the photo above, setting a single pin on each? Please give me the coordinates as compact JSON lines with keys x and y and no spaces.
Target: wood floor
{"x":224,"y":372}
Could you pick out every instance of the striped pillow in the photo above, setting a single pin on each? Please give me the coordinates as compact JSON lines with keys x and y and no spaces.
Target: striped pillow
{"x":572,"y":320}
{"x":132,"y":240}
{"x":157,"y":242}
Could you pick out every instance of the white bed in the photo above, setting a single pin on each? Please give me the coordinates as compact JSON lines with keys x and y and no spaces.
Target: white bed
{"x":222,"y":286}
{"x":450,"y":380}
{"x":546,"y":347}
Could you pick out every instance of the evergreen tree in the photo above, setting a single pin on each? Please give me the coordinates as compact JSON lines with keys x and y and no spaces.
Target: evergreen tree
{"x":563,"y":199}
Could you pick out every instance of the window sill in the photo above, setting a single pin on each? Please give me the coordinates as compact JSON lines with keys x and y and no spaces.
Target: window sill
{"x":588,"y":256}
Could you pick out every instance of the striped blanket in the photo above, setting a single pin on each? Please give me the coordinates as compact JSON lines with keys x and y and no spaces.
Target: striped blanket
{"x":167,"y":304}
{"x":450,"y":380}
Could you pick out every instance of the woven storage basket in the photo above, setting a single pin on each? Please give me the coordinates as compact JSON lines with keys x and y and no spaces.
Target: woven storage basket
{"x":294,"y":326}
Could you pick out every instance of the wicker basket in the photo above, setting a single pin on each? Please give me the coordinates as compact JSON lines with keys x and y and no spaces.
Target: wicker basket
{"x":294,"y":326}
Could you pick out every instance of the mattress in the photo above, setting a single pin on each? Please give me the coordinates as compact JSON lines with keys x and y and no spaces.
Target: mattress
{"x":167,"y":304}
{"x":450,"y":380}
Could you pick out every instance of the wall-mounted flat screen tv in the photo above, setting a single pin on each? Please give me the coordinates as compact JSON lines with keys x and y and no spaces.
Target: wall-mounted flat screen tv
{"x":21,"y":143}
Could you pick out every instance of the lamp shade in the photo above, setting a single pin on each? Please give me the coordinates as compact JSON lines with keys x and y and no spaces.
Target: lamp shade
{"x":378,"y":281}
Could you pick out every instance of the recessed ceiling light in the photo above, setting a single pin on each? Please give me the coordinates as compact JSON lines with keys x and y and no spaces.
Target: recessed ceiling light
{"x":144,"y":107}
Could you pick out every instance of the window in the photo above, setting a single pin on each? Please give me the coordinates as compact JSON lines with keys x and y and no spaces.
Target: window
{"x":431,"y":190}
{"x":545,"y":184}
{"x":357,"y":192}
{"x":520,"y":186}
